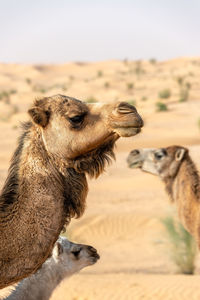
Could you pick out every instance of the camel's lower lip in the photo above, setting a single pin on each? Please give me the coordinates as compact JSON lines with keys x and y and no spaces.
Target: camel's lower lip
{"x":127,"y":131}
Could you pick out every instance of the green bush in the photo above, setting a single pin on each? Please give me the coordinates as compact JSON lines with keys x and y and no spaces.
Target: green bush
{"x":198,"y":123}
{"x":161,"y":106}
{"x":99,"y":73}
{"x":183,"y":248}
{"x":130,"y":85}
{"x":164,"y":94}
{"x":152,"y":61}
{"x":180,"y":80}
{"x":28,"y":81}
{"x":106,"y":84}
{"x":184,"y":95}
{"x":91,"y":100}
{"x":184,"y":88}
{"x":144,"y":98}
{"x":132,"y":102}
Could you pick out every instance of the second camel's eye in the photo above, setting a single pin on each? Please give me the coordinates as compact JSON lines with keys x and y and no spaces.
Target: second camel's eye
{"x":158,"y":156}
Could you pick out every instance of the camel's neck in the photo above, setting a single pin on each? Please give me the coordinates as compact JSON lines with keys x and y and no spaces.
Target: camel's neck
{"x":184,"y":190}
{"x":36,"y":201}
{"x":14,"y":183}
{"x":185,"y":181}
{"x":40,"y":285}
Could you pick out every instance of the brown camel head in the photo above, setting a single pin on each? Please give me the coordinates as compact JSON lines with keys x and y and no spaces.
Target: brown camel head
{"x":74,"y":131}
{"x":164,"y":162}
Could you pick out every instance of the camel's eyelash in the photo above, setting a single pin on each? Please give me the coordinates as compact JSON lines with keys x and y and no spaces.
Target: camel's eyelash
{"x":76,"y":120}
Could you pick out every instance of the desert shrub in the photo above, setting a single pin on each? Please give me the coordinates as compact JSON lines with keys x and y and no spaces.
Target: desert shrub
{"x":180,"y":80}
{"x":184,"y":88}
{"x":106,"y":84}
{"x":40,"y":89}
{"x":138,"y":69}
{"x":164,"y":94}
{"x":13,"y":91}
{"x":91,"y":100}
{"x":183,"y":248}
{"x":28,"y":81}
{"x":198,"y":123}
{"x":144,"y":98}
{"x":184,"y":94}
{"x":5,"y":96}
{"x":99,"y":73}
{"x":152,"y":61}
{"x":130,"y":85}
{"x":161,"y":106}
{"x":132,"y":102}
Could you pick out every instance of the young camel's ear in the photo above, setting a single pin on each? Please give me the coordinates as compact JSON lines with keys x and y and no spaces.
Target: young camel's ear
{"x":57,"y":250}
{"x":39,"y":116}
{"x":180,"y":154}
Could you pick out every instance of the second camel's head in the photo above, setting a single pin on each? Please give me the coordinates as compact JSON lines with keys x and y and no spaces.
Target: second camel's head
{"x":163,"y":162}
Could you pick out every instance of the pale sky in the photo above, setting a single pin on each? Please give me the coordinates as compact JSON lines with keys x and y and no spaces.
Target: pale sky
{"x":58,"y":31}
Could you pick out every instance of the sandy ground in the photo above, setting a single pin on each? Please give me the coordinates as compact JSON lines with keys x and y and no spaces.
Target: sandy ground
{"x":124,"y":206}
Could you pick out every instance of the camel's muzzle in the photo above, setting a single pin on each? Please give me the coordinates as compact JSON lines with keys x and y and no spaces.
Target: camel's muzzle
{"x":134,"y":159}
{"x":125,"y":120}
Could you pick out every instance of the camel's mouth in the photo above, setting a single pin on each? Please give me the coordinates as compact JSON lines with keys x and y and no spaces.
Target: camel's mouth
{"x":127,"y":131}
{"x":94,"y":257}
{"x":126,"y":121}
{"x":135,"y":165}
{"x":134,"y":159}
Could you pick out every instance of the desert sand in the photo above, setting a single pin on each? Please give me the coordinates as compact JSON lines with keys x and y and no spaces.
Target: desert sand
{"x":124,"y":206}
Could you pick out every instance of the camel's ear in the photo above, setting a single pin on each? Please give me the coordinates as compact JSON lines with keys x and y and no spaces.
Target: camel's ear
{"x":39,"y":116}
{"x":180,"y":154}
{"x":57,"y":250}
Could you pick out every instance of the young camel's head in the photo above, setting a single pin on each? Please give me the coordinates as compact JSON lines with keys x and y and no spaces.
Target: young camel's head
{"x":164,"y":162}
{"x":75,"y":131}
{"x":71,"y":257}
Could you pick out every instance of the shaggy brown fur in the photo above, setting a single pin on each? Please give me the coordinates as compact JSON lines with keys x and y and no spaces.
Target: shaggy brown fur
{"x":46,"y":184}
{"x":182,"y":183}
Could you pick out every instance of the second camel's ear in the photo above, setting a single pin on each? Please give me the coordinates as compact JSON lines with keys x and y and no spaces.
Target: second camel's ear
{"x":180,"y":154}
{"x":39,"y":116}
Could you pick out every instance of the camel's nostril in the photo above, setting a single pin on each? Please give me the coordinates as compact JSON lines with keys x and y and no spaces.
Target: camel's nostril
{"x":135,"y":152}
{"x":125,"y":108}
{"x":91,"y":249}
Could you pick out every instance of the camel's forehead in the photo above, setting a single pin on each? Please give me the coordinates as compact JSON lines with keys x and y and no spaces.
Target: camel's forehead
{"x":65,"y":104}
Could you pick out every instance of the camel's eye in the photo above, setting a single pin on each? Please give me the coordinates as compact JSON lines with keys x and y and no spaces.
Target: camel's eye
{"x":76,"y":252}
{"x":158,"y":156}
{"x":77,"y":120}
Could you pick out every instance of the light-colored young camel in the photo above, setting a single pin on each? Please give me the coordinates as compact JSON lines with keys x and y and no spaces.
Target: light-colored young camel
{"x":46,"y":184}
{"x":180,"y":176}
{"x":67,"y":258}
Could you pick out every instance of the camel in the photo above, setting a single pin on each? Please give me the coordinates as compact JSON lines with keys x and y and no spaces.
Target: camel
{"x":180,"y":176}
{"x":46,"y":186}
{"x":67,"y":258}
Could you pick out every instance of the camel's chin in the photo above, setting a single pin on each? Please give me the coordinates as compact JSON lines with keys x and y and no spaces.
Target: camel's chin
{"x":127,"y":131}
